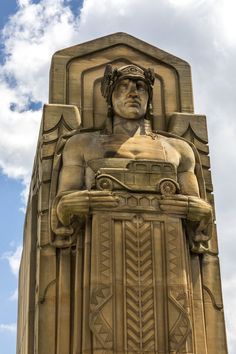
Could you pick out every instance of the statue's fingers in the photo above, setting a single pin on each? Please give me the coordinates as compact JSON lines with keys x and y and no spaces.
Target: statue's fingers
{"x":200,"y":204}
{"x":104,"y":205}
{"x":103,"y":202}
{"x":94,"y":194}
{"x":78,"y":203}
{"x":104,"y":199}
{"x":173,"y":202}
{"x":72,"y":202}
{"x":177,"y":197}
{"x":198,"y":213}
{"x":173,"y":207}
{"x":64,"y":231}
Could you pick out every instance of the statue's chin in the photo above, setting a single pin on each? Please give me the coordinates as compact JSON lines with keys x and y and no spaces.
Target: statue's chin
{"x":132,"y":113}
{"x":133,"y":116}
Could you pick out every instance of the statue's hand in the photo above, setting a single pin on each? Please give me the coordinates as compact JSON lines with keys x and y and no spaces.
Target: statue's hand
{"x":195,"y":210}
{"x":189,"y":207}
{"x":198,"y":209}
{"x":176,"y":204}
{"x":79,"y":203}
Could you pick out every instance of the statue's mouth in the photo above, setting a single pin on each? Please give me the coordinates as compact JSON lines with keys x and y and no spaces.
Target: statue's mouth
{"x":133,"y":103}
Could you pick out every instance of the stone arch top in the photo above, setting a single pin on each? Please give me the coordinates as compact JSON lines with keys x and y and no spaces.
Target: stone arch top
{"x":76,"y":73}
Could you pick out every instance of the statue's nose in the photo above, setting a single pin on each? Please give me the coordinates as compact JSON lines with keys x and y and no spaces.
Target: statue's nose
{"x":133,"y":89}
{"x":133,"y":93}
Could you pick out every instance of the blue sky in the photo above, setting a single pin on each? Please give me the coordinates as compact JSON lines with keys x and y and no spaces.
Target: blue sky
{"x":9,"y":8}
{"x":11,"y":238}
{"x":12,"y":220}
{"x":203,"y":32}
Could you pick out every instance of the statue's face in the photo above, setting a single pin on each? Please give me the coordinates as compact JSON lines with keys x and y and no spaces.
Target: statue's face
{"x":130,"y":98}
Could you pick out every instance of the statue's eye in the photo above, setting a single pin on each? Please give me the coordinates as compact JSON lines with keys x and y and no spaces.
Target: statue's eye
{"x":141,"y":86}
{"x":123,"y":87}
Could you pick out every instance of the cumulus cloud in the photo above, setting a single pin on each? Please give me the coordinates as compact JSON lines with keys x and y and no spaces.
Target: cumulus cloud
{"x":201,"y":32}
{"x":8,"y":327}
{"x":23,"y":3}
{"x":30,"y":38}
{"x":13,"y":257}
{"x":32,"y":35}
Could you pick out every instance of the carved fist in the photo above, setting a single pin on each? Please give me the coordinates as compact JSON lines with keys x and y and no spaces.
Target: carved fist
{"x":189,"y":207}
{"x":175,"y":204}
{"x":79,"y":203}
{"x":197,"y":212}
{"x":198,"y":209}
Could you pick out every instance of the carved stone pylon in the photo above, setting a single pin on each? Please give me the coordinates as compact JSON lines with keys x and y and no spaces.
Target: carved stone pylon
{"x":125,"y":281}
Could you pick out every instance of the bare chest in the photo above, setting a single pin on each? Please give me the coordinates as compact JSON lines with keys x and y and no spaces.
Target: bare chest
{"x":136,"y":147}
{"x":139,"y":147}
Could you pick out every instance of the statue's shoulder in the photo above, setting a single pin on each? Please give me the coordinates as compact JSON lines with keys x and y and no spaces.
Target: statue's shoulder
{"x":82,"y":137}
{"x":178,"y":143}
{"x":183,"y":146}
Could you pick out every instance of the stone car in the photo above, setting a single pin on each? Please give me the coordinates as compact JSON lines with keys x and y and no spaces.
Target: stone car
{"x":139,"y":175}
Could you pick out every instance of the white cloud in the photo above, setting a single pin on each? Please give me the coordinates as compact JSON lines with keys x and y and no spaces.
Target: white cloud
{"x":13,"y":258}
{"x":32,"y":35}
{"x":184,"y":3}
{"x":8,"y":327}
{"x":30,"y":38}
{"x":23,"y":3}
{"x":226,"y":14}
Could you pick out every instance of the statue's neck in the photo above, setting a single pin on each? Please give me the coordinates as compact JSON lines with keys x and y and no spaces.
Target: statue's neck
{"x":128,"y":127}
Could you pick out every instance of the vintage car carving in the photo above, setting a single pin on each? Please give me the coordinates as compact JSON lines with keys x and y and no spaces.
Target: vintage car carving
{"x":139,"y":175}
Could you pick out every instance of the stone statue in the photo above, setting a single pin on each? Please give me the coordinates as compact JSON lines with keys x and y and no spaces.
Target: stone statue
{"x":100,"y":169}
{"x":120,"y":251}
{"x":128,"y":92}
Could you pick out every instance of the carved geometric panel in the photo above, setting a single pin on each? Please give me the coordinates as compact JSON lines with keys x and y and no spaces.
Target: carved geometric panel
{"x":140,"y":295}
{"x":139,"y":287}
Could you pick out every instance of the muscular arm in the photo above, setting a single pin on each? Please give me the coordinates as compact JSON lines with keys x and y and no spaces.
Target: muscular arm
{"x":185,"y":172}
{"x":188,"y":203}
{"x":71,"y":179}
{"x":72,"y":174}
{"x":73,"y":198}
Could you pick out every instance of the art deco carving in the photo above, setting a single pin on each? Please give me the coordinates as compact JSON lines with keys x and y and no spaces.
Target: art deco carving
{"x":120,"y":219}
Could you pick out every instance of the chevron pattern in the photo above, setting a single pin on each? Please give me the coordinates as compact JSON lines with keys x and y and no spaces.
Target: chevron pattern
{"x":102,"y":293}
{"x":180,"y":338}
{"x":140,"y":321}
{"x":105,"y":250}
{"x":98,"y":323}
{"x":180,"y":333}
{"x":173,"y":254}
